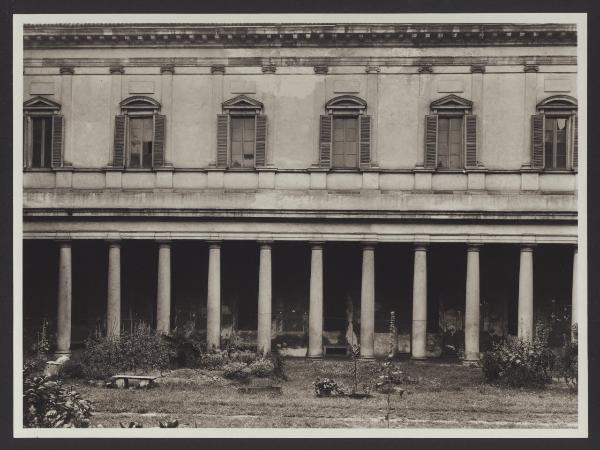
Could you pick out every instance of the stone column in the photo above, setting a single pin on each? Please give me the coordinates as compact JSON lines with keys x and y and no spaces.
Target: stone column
{"x":113,"y":304}
{"x":315,"y":314}
{"x":163,"y":291}
{"x":65,"y":292}
{"x":472,"y":304}
{"x":367,"y":303}
{"x":213,"y":304}
{"x":264,"y":299}
{"x":419,"y":319}
{"x":525,"y":328}
{"x":574,"y":290}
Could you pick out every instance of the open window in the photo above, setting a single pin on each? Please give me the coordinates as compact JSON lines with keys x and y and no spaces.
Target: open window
{"x":139,"y":134}
{"x":241,"y":134}
{"x":43,"y":129}
{"x":345,"y":134}
{"x":451,"y":135}
{"x":554,"y":134}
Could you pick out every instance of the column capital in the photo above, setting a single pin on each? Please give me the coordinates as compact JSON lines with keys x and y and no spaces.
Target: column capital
{"x":527,"y":247}
{"x":368,"y":245}
{"x":214,"y":243}
{"x":474,"y":246}
{"x":316,"y":244}
{"x":64,"y":242}
{"x":265,"y":243}
{"x":114,"y":242}
{"x":421,"y":246}
{"x":164,"y":242}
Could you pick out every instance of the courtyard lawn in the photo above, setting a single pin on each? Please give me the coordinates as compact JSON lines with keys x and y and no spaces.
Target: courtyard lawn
{"x":447,"y":395}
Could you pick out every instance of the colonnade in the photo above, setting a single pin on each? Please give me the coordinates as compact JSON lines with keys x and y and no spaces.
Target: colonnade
{"x":315,"y":325}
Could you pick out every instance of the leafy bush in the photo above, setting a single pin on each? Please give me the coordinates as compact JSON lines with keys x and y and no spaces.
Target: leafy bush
{"x":567,"y":360}
{"x":262,"y":368}
{"x":72,"y":368}
{"x":244,"y":356}
{"x":212,"y":361}
{"x":325,"y":387}
{"x":279,"y":366}
{"x":519,"y":362}
{"x":141,"y":349}
{"x":47,"y":404}
{"x":188,"y":345}
{"x":236,"y":370}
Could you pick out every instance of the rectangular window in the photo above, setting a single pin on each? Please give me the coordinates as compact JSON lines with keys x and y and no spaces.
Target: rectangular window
{"x":555,"y":142}
{"x":242,"y":141}
{"x":450,"y":143}
{"x":41,"y":141}
{"x":141,"y":131}
{"x":345,"y":142}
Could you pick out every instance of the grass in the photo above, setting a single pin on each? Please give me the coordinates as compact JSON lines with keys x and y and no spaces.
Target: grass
{"x":445,"y":396}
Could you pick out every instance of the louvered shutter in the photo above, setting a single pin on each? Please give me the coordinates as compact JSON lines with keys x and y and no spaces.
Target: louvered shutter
{"x":119,"y":145}
{"x":365,"y":139}
{"x":57,"y":140}
{"x":537,"y":141}
{"x":158,"y":141}
{"x":260,"y":149}
{"x":325,"y":143}
{"x":471,"y":140}
{"x":575,"y":142}
{"x":431,"y":129}
{"x":26,"y":145}
{"x":222,"y":139}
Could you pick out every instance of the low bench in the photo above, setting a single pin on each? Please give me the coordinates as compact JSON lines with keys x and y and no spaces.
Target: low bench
{"x":149,"y":379}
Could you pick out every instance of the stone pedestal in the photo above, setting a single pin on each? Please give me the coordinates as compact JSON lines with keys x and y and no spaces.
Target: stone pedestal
{"x":367,"y":303}
{"x":472,"y":305}
{"x":525,"y":315}
{"x":113,"y":304}
{"x":315,"y":315}
{"x":65,"y":292}
{"x":419,"y":319}
{"x":213,"y":307}
{"x":264,"y":300}
{"x":163,"y":291}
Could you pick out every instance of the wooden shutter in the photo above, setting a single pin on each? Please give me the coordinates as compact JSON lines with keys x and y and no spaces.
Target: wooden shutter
{"x":119,"y":146}
{"x":431,"y":131}
{"x":365,"y":139}
{"x":537,"y":141}
{"x":325,"y":137}
{"x":158,"y":140}
{"x":575,"y":142}
{"x":222,"y":139}
{"x":471,"y":140}
{"x":57,"y":140}
{"x":26,"y":144}
{"x":260,"y":148}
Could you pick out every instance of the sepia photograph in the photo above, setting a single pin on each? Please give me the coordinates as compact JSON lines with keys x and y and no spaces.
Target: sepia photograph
{"x":300,"y":225}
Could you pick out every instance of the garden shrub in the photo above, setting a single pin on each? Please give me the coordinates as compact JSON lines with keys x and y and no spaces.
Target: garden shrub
{"x":262,"y":368}
{"x":72,"y":368}
{"x":188,"y":345}
{"x":47,"y":404}
{"x":520,"y":363}
{"x":567,"y":360}
{"x":244,"y":356}
{"x":213,"y":360}
{"x":236,"y":370}
{"x":140,"y":349}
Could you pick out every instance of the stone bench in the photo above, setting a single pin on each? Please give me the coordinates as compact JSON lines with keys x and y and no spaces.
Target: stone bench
{"x":122,"y":380}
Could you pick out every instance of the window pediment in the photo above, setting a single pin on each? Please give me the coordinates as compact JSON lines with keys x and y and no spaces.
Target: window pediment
{"x":242,"y":104}
{"x":451,"y":103}
{"x":40,"y":104}
{"x":139,"y":103}
{"x":558,"y":102}
{"x":348,"y":104}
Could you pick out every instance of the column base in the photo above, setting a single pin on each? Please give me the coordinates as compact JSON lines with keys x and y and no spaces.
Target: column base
{"x":470,"y":362}
{"x":366,"y":358}
{"x":314,"y":356}
{"x":419,"y":358}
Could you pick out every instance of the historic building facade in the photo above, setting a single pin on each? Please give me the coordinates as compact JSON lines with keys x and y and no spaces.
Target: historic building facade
{"x":291,"y":185}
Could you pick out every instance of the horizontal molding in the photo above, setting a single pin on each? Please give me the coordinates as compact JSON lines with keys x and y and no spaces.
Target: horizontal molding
{"x":301,"y":61}
{"x":296,"y":35}
{"x":238,"y":214}
{"x":378,"y":238}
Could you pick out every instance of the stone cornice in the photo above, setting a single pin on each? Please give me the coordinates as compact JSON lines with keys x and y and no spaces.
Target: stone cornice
{"x":297,"y":35}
